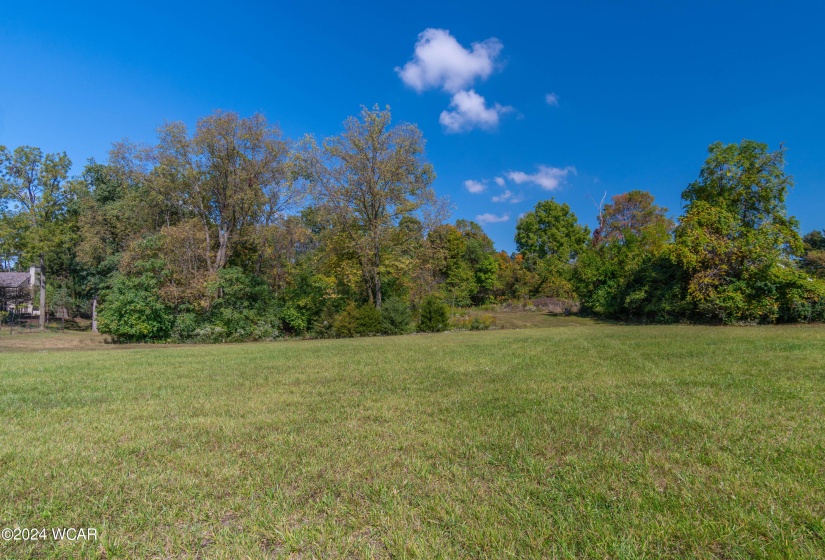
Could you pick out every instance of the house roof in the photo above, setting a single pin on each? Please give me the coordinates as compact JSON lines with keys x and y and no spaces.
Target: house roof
{"x":13,"y":279}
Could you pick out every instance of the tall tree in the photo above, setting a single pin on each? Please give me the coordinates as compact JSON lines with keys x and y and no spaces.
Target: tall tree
{"x":736,"y":240}
{"x":551,"y":239}
{"x":634,"y":219}
{"x":369,"y":178}
{"x":748,"y":181}
{"x":626,"y":272}
{"x":35,"y":191}
{"x":231,"y":174}
{"x":551,"y":231}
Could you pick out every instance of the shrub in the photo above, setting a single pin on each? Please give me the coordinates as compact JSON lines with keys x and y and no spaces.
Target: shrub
{"x":324,"y":327}
{"x":344,"y":325}
{"x":134,"y":312}
{"x":396,"y":317}
{"x":368,"y":320}
{"x":186,"y":324}
{"x":433,"y":315}
{"x":243,"y":310}
{"x":474,"y":323}
{"x":293,"y":319}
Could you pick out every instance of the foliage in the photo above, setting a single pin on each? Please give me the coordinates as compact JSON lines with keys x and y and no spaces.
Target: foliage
{"x":243,"y":308}
{"x":627,"y":271}
{"x":132,"y":311}
{"x":735,"y":236}
{"x":293,"y":319}
{"x":368,"y":320}
{"x":231,"y":232}
{"x":732,"y":259}
{"x":345,"y":324}
{"x":747,"y":181}
{"x":474,"y":322}
{"x":633,"y":219}
{"x":369,"y":178}
{"x":230,"y":175}
{"x":396,"y":317}
{"x":464,"y":261}
{"x":813,"y":260}
{"x":324,"y":327}
{"x":433,"y":315}
{"x":551,"y":239}
{"x":643,"y":287}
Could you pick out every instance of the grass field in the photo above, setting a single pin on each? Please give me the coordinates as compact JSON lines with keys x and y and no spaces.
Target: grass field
{"x":585,"y":440}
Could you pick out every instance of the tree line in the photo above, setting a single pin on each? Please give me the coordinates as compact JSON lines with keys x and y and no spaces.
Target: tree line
{"x":233,"y":232}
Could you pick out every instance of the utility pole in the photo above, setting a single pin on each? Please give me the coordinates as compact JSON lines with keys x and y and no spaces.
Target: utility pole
{"x":42,"y":294}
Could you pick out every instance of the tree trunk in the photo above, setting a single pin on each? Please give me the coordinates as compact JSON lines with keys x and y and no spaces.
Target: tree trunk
{"x":42,"y":294}
{"x":223,"y":250}
{"x":94,"y":315}
{"x":377,"y":273}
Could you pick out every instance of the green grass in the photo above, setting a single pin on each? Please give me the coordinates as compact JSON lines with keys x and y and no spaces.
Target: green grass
{"x":593,"y":441}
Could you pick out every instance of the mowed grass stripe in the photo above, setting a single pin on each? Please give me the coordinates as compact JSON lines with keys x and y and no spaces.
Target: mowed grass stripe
{"x":588,"y":441}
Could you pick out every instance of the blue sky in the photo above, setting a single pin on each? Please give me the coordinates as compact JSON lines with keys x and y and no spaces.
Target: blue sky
{"x":639,"y":88}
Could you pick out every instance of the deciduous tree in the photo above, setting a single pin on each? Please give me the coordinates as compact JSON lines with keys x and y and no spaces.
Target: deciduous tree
{"x":231,"y":174}
{"x":369,"y":178}
{"x":551,"y":238}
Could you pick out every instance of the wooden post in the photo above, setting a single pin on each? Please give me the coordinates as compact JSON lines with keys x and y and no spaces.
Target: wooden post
{"x":94,"y":314}
{"x":42,"y":294}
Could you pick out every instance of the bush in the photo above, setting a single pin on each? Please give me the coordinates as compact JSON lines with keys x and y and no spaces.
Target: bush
{"x":365,"y":320}
{"x":368,"y":320}
{"x":433,"y":315}
{"x":474,"y":323}
{"x":134,"y":312}
{"x":185,"y":326}
{"x":324,"y":327}
{"x":396,"y":317}
{"x":294,"y":320}
{"x":345,"y":324}
{"x":244,"y":310}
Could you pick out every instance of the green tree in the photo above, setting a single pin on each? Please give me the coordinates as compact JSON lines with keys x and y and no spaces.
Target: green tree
{"x":551,"y":239}
{"x":633,"y":219}
{"x":433,"y":316}
{"x":36,"y":196}
{"x":231,"y":174}
{"x":132,"y":311}
{"x":626,"y":272}
{"x":749,"y":182}
{"x":735,"y":236}
{"x":813,"y":260}
{"x":369,"y":178}
{"x":396,"y":316}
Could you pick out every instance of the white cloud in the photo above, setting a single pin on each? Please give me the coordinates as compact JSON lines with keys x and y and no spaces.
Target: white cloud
{"x":499,"y":181}
{"x":548,"y":178}
{"x":441,"y":62}
{"x":474,"y":186}
{"x":503,"y":197}
{"x":469,"y":110}
{"x":552,"y":99}
{"x":491,"y":218}
{"x":508,"y":196}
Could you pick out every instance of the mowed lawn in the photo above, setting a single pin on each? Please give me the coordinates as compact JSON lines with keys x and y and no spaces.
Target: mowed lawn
{"x":585,"y":440}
